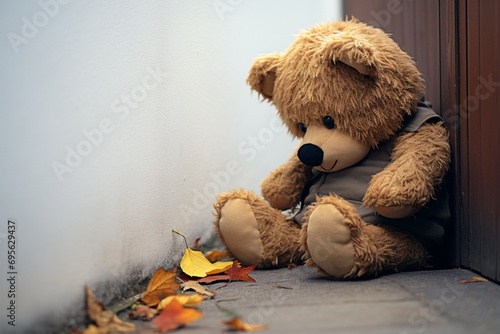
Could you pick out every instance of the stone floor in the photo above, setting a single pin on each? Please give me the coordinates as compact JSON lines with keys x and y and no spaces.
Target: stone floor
{"x":299,"y":301}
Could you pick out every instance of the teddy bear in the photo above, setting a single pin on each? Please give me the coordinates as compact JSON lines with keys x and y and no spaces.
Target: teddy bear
{"x":365,"y":186}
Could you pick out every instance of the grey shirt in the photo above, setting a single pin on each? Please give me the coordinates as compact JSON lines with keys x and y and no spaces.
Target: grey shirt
{"x":351,"y":184}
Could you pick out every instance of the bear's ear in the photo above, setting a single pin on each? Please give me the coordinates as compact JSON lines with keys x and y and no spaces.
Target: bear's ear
{"x":263,"y":74}
{"x":353,"y":52}
{"x":361,"y":68}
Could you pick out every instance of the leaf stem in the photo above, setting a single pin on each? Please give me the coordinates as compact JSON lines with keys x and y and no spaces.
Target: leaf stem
{"x":179,"y":233}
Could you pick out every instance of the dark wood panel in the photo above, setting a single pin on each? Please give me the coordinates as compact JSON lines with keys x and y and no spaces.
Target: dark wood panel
{"x":480,"y":101}
{"x":483,"y":94}
{"x":479,"y":33}
{"x":474,"y":141}
{"x":450,"y":94}
{"x":462,"y":150}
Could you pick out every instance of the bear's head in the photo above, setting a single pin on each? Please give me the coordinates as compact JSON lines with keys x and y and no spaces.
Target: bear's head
{"x":342,"y":87}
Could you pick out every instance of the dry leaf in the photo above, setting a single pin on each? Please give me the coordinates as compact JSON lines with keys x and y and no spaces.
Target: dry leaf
{"x":186,"y":300}
{"x":213,"y":256}
{"x":174,"y":315}
{"x":238,"y":273}
{"x":213,"y":278}
{"x":92,"y":329}
{"x":235,"y":273}
{"x":195,"y":264}
{"x":143,"y":311}
{"x":474,"y":279}
{"x":106,"y":321}
{"x":196,"y":244}
{"x":162,"y":284}
{"x":193,"y":285}
{"x":237,"y":324}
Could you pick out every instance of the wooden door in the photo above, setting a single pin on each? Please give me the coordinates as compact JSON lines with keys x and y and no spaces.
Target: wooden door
{"x":479,"y":101}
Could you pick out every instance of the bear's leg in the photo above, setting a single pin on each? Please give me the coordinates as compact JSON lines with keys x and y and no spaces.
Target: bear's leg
{"x":254,"y":232}
{"x":338,"y":242}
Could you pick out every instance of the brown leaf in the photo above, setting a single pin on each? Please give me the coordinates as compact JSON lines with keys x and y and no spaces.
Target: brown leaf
{"x":174,"y":315}
{"x":106,"y":320}
{"x":143,"y":311}
{"x":292,"y":266}
{"x":213,"y":256}
{"x":474,"y":279}
{"x":237,"y":324}
{"x":193,"y":285}
{"x":240,"y":273}
{"x":162,"y":284}
{"x":196,"y":244}
{"x":213,"y":278}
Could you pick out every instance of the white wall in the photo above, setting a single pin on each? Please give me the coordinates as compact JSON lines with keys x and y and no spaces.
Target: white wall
{"x":151,"y":96}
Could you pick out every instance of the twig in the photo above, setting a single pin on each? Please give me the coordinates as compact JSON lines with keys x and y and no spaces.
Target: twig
{"x":226,"y":310}
{"x":125,"y":304}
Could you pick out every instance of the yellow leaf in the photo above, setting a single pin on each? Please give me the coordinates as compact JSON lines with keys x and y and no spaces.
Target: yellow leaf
{"x":195,"y":264}
{"x":474,"y":279}
{"x":186,"y":300}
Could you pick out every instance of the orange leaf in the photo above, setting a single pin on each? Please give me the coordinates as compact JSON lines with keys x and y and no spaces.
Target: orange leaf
{"x":240,"y":273}
{"x":237,"y":324}
{"x":143,"y":311}
{"x":106,"y":320}
{"x":217,"y":255}
{"x":174,"y":315}
{"x":162,"y":284}
{"x":183,"y":299}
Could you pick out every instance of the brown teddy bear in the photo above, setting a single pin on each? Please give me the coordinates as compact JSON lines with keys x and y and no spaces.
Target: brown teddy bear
{"x":368,"y":168}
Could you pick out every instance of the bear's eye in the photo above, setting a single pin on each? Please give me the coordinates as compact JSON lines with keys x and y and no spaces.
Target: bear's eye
{"x":302,"y":127}
{"x":328,"y":122}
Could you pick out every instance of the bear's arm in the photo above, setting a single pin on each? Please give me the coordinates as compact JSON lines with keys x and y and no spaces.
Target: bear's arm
{"x":282,"y":187}
{"x":418,"y":164}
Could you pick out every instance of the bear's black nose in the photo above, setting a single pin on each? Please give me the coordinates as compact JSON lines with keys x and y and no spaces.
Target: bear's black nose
{"x":310,"y":154}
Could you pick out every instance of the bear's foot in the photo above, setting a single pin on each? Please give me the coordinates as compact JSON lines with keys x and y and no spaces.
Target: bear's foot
{"x":336,"y":241}
{"x":329,"y":241}
{"x":240,"y":230}
{"x":255,"y":233}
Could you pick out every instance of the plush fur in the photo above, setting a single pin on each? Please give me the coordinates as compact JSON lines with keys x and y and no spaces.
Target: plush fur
{"x":280,"y":237}
{"x":349,"y":92}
